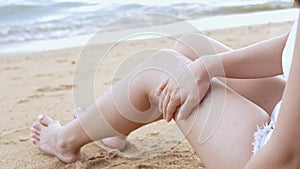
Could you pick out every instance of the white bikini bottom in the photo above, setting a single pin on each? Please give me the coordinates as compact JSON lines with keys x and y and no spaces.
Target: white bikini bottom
{"x":264,"y":133}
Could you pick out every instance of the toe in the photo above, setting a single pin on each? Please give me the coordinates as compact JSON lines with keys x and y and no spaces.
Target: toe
{"x":45,"y":120}
{"x":37,"y":126}
{"x":35,"y":131}
{"x":34,"y":136}
{"x":34,"y":141}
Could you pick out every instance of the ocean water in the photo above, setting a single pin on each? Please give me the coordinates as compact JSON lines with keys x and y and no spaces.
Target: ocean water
{"x":30,"y":20}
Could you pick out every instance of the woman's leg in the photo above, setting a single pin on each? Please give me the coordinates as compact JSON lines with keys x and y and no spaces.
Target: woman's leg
{"x":221,"y":128}
{"x":113,"y":113}
{"x":264,"y":92}
{"x":115,"y":142}
{"x":131,"y":104}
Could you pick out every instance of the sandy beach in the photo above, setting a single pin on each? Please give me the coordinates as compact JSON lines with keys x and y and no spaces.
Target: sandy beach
{"x":42,"y":83}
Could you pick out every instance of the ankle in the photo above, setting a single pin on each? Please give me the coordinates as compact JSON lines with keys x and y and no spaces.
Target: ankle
{"x":66,"y":140}
{"x":72,"y":137}
{"x":66,"y":151}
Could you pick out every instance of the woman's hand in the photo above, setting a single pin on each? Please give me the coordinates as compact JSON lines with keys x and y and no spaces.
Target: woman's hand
{"x":186,"y":89}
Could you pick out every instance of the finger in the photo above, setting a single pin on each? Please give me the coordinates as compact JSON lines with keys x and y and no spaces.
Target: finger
{"x":162,"y":87}
{"x":165,"y":104}
{"x":170,"y":114}
{"x":162,"y":97}
{"x":186,"y":108}
{"x":160,"y":103}
{"x":160,"y":106}
{"x":171,"y":109}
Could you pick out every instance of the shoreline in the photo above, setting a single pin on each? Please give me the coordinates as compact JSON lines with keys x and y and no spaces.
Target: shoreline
{"x":203,"y":24}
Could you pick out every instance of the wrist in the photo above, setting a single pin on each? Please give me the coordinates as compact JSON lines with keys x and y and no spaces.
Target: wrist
{"x":212,"y":64}
{"x":199,"y":71}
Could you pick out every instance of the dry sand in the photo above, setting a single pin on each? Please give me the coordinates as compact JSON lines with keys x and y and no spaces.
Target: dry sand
{"x":37,"y":83}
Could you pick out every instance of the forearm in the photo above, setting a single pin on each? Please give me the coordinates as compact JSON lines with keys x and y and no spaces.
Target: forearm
{"x":255,"y":61}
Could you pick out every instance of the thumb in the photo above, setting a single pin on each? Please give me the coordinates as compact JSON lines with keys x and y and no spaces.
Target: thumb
{"x":186,"y":108}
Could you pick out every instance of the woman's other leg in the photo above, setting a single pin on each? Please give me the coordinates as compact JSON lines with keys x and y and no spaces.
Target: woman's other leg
{"x":221,"y":128}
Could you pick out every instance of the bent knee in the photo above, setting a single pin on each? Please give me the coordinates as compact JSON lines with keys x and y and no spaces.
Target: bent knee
{"x":168,"y":57}
{"x":167,"y":52}
{"x":194,"y":45}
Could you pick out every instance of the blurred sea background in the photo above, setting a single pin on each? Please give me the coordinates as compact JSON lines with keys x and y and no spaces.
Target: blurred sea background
{"x":36,"y":20}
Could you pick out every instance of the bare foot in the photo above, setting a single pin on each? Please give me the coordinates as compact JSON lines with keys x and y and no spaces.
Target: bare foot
{"x":48,"y":136}
{"x":117,"y":142}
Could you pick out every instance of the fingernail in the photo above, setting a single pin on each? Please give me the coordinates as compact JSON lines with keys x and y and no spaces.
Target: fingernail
{"x":40,"y":117}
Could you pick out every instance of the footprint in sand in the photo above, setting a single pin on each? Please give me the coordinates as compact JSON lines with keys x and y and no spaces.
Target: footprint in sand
{"x":44,"y":75}
{"x":16,"y":78}
{"x":54,"y":89}
{"x":35,"y":96}
{"x":12,"y":68}
{"x":14,"y":136}
{"x":23,"y":101}
{"x":30,"y":98}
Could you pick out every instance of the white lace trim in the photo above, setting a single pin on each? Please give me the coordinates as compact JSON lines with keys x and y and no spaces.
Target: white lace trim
{"x":260,"y":136}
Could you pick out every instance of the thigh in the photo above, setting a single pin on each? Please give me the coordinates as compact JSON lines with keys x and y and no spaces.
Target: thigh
{"x":221,"y":128}
{"x":264,"y":92}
